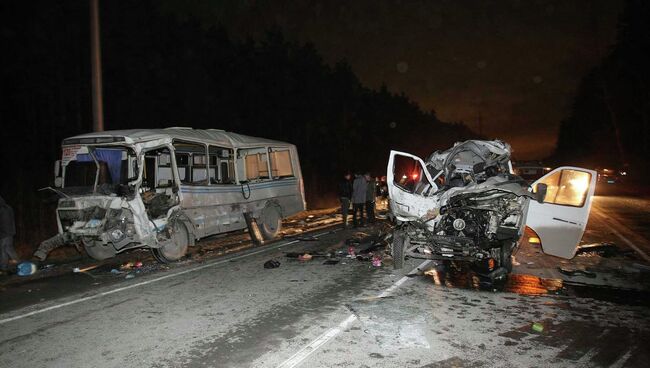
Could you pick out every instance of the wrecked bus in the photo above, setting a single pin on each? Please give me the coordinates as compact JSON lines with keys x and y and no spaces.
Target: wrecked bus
{"x":163,"y":189}
{"x":465,"y":204}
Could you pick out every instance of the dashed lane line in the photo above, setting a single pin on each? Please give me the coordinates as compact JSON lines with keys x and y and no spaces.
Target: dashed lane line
{"x":302,"y":354}
{"x":608,"y":222}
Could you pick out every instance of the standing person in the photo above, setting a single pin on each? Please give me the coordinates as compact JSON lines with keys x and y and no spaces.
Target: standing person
{"x":345,"y":194}
{"x":7,"y":232}
{"x":371,"y":192}
{"x":359,"y":189}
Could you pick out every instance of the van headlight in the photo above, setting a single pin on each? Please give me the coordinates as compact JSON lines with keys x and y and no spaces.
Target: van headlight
{"x":130,"y":230}
{"x":116,"y":234}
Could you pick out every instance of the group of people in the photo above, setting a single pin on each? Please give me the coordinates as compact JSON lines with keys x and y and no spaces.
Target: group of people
{"x":361,"y":192}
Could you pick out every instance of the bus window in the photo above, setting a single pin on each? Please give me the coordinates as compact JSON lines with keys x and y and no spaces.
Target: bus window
{"x":222,"y":170}
{"x":253,"y":164}
{"x":157,"y":171}
{"x":199,"y":169}
{"x":183,"y":165}
{"x":191,"y":162}
{"x":280,"y":163}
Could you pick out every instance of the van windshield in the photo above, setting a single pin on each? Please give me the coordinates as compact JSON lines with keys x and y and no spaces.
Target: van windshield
{"x":113,"y":168}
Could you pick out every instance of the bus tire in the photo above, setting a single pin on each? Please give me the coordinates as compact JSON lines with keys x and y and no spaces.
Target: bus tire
{"x":270,"y":221}
{"x":176,"y":246}
{"x":96,"y":250}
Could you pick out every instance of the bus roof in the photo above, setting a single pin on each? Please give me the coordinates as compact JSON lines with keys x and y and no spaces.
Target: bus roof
{"x":207,"y":136}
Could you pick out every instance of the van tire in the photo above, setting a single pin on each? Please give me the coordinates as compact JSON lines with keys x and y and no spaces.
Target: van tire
{"x":175,"y":248}
{"x":96,"y":250}
{"x":399,"y":242}
{"x":270,"y":221}
{"x":505,"y":256}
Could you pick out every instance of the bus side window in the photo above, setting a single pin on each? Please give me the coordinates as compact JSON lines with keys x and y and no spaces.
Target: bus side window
{"x":164,"y":177}
{"x":221,"y":165}
{"x":191,"y":162}
{"x":280,"y":163}
{"x":199,"y":169}
{"x":183,"y":165}
{"x":253,"y":164}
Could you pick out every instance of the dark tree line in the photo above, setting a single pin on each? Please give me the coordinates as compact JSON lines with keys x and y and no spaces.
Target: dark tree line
{"x":160,"y":71}
{"x":609,"y":122}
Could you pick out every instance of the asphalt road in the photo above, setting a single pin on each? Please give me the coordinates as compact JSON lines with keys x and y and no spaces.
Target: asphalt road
{"x":229,"y":311}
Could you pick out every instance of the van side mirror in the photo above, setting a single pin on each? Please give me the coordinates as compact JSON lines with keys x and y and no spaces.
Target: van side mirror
{"x":540,"y":192}
{"x":58,"y":180}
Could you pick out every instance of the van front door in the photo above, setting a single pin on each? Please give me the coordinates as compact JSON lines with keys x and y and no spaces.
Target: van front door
{"x":561,"y":220}
{"x":409,"y":186}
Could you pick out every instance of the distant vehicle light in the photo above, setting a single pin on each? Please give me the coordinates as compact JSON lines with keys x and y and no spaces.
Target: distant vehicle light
{"x":623,"y":173}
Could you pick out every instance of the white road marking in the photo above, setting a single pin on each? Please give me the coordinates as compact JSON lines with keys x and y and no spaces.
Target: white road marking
{"x":307,"y":350}
{"x":627,"y":241}
{"x":117,"y":290}
{"x":620,"y":362}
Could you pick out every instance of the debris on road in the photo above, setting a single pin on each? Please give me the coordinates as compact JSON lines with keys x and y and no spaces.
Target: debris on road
{"x":602,"y":249}
{"x":576,"y":272}
{"x":376,"y":261}
{"x":305,"y":257}
{"x":351,"y":251}
{"x":331,"y":262}
{"x":271,"y":264}
{"x":26,"y":269}
{"x":538,"y":327}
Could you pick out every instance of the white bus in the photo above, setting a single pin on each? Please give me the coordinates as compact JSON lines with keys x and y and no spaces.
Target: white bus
{"x":165,"y":188}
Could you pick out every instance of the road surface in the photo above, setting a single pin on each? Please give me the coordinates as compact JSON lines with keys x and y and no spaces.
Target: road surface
{"x":229,"y":311}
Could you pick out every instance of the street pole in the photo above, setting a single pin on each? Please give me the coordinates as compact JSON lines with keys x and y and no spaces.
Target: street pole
{"x":96,"y":61}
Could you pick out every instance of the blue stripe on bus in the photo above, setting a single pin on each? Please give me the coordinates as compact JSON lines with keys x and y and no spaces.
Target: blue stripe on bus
{"x":238,"y":188}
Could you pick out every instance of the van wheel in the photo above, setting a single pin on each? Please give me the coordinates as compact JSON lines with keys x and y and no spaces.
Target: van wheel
{"x":400,"y":240}
{"x":175,"y":247}
{"x":97,"y":250}
{"x":505,"y":256}
{"x":270,"y":222}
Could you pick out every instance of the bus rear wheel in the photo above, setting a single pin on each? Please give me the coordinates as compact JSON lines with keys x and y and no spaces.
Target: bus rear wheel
{"x":174,"y":248}
{"x":270,"y":222}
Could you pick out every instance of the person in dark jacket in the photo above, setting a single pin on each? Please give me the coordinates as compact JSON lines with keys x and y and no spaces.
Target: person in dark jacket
{"x":371,"y":193}
{"x":7,"y":232}
{"x":345,"y":194}
{"x":359,"y":189}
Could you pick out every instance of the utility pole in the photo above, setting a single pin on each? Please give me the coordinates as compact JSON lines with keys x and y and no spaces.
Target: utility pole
{"x":96,"y":61}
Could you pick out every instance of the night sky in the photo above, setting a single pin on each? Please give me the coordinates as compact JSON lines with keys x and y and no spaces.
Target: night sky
{"x":517,"y":63}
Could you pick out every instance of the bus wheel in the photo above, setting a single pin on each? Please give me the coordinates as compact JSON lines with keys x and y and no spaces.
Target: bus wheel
{"x":97,"y":250}
{"x":270,"y":222}
{"x":175,"y":247}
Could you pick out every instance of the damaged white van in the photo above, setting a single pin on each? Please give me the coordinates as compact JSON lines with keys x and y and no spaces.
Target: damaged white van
{"x":165,"y":188}
{"x":465,"y":204}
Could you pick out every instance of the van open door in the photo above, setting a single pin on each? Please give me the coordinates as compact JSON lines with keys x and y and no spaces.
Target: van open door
{"x":409,"y":187}
{"x":561,"y":220}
